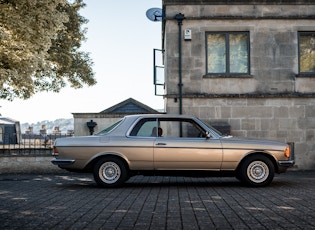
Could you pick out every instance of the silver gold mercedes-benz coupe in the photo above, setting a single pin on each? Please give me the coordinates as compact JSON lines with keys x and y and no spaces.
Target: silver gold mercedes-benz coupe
{"x":172,"y":145}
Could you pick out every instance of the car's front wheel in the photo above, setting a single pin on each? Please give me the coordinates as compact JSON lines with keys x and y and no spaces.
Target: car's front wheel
{"x":110,"y":172}
{"x":256,"y":171}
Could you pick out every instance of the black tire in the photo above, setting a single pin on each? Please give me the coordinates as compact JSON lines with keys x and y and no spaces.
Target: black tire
{"x":256,"y":171}
{"x":110,"y":172}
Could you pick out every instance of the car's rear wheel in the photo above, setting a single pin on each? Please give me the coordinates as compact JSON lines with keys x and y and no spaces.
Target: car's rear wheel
{"x":256,"y":171}
{"x":110,"y":172}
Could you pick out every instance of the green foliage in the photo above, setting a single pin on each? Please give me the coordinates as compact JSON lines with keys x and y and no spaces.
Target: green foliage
{"x":39,"y":47}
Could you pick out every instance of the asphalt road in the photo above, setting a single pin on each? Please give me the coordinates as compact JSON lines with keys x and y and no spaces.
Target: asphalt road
{"x":73,"y":201}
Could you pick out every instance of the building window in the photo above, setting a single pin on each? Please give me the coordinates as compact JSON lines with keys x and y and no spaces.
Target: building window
{"x":306,"y":52}
{"x":227,"y":53}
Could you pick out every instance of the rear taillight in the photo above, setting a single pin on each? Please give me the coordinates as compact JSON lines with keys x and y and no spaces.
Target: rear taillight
{"x":55,"y":151}
{"x":287,"y":152}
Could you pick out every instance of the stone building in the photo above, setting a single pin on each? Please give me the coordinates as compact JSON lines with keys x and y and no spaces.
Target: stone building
{"x":248,"y":63}
{"x":107,"y":117}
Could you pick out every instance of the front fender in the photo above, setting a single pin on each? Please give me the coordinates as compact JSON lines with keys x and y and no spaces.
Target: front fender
{"x":264,"y":153}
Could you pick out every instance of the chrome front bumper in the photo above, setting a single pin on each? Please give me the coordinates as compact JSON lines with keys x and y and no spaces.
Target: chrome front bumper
{"x":286,"y":164}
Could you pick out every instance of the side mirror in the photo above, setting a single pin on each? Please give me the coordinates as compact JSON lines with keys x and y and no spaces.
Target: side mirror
{"x":208,"y":135}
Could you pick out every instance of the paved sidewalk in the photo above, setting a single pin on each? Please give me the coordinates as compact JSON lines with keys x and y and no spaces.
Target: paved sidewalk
{"x":73,"y":201}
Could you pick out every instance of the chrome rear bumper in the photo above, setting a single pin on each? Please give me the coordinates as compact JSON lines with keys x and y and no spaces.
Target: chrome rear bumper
{"x":62,"y":161}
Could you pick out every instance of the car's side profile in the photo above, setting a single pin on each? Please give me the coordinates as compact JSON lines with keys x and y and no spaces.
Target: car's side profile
{"x":161,"y":144}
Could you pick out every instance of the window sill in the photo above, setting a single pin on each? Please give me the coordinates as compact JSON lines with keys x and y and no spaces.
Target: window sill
{"x":305,"y":75}
{"x":228,"y":76}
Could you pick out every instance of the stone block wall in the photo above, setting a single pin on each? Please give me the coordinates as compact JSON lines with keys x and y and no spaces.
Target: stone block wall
{"x":273,"y":101}
{"x":273,"y":31}
{"x":28,"y":164}
{"x":103,"y":121}
{"x":282,"y":119}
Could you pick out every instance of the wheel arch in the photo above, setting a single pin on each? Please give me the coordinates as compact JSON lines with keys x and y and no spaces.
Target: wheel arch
{"x":259,"y":153}
{"x":89,"y":167}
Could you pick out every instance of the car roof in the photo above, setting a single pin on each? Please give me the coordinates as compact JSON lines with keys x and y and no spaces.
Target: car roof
{"x":160,"y":115}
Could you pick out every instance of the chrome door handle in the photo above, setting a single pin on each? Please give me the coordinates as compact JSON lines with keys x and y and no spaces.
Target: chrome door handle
{"x":160,"y":143}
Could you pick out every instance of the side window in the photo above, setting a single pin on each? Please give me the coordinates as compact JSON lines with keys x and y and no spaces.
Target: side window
{"x":307,"y":52}
{"x":144,"y":128}
{"x":184,"y":128}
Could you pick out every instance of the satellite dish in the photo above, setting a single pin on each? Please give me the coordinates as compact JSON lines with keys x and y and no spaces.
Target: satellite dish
{"x":155,"y":14}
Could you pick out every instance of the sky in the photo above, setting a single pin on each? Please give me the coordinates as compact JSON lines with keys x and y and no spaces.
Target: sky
{"x":120,"y":40}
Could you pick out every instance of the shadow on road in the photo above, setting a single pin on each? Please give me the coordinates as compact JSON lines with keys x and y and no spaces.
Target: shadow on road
{"x":77,"y":182}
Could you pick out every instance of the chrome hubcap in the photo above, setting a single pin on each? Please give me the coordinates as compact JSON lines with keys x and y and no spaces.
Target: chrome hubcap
{"x":257,"y":171}
{"x":109,"y":172}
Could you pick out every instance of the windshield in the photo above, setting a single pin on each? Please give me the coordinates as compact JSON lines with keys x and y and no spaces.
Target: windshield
{"x":110,"y":128}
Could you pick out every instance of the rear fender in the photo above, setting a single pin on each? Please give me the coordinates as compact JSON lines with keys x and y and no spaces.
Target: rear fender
{"x":96,"y":157}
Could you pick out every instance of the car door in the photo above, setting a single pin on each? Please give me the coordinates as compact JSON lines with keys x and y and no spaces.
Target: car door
{"x":184,"y":146}
{"x":138,"y":147}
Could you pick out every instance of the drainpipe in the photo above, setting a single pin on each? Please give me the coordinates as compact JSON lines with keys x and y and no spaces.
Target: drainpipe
{"x":180,"y":17}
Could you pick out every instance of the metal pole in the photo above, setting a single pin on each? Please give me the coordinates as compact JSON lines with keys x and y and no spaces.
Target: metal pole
{"x":180,"y":17}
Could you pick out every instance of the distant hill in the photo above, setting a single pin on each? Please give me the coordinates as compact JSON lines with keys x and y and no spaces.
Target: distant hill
{"x":63,"y":124}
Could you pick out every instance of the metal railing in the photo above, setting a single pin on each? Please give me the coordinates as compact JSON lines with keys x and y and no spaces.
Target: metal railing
{"x":29,"y":144}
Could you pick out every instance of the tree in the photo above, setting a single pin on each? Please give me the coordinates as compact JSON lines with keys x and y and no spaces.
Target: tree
{"x":39,"y":47}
